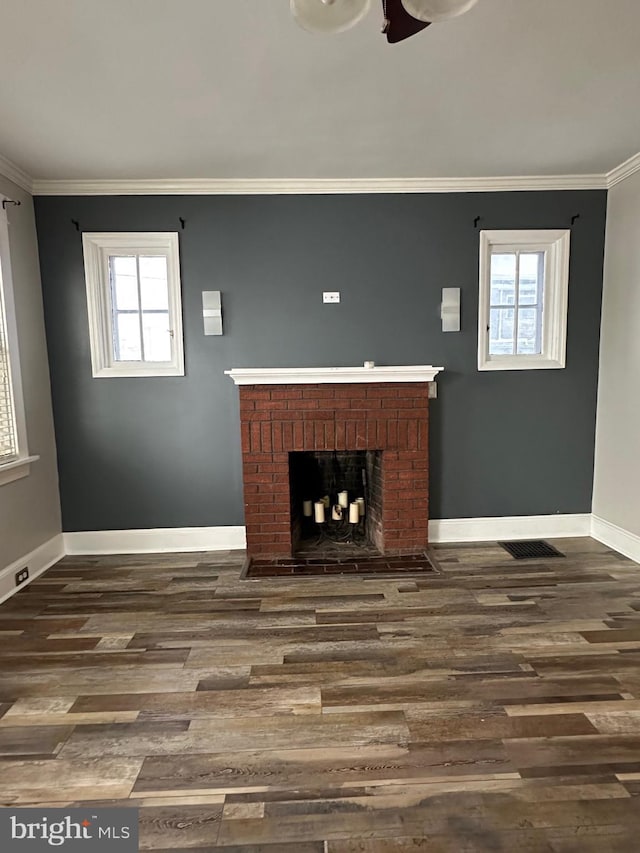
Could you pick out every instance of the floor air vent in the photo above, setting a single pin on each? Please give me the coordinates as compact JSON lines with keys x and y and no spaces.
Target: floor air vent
{"x":533,"y":549}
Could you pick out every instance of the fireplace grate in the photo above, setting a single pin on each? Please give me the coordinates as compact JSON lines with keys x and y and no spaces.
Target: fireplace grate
{"x":530,"y":550}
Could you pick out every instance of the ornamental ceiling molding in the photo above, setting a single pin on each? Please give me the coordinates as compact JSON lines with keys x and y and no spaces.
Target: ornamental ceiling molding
{"x":313,"y":186}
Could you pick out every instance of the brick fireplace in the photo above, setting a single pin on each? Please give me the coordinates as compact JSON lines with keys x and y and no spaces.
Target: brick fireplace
{"x":383,"y":410}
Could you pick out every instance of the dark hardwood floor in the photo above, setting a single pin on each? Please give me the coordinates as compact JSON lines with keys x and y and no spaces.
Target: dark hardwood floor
{"x":493,"y":706}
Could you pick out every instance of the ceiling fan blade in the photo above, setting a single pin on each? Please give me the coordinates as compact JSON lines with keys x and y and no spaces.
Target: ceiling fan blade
{"x":401,"y":25}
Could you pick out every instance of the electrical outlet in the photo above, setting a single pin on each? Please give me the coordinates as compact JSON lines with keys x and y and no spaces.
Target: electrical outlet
{"x":331,"y":296}
{"x":22,"y":576}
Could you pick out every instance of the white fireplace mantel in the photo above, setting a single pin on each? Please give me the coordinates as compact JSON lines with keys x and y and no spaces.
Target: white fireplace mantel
{"x":317,"y":375}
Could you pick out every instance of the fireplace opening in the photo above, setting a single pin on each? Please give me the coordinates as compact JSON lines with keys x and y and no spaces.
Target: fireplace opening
{"x":336,"y":502}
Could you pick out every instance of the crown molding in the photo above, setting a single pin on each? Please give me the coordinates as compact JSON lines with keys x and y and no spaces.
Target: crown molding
{"x":623,"y":171}
{"x":317,"y":186}
{"x":314,"y":186}
{"x":15,"y":174}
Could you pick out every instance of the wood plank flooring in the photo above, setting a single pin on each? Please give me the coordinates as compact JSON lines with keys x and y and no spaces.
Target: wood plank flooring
{"x":492,"y":706}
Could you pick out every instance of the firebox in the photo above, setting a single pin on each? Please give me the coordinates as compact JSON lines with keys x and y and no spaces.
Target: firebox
{"x":336,"y":502}
{"x":335,"y":455}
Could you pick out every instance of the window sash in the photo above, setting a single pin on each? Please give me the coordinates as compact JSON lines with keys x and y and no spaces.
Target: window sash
{"x":103,"y":313}
{"x":517,"y":305}
{"x":555,"y":243}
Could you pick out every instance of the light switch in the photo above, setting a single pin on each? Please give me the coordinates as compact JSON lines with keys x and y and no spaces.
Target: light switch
{"x":450,"y":309}
{"x":331,"y":296}
{"x":212,"y":312}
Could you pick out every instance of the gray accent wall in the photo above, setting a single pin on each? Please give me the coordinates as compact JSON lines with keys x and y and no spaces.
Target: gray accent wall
{"x":165,"y":452}
{"x":29,"y":507}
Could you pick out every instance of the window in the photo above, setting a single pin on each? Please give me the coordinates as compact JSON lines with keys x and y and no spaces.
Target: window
{"x":524,"y":280}
{"x":133,"y":297}
{"x":14,"y":456}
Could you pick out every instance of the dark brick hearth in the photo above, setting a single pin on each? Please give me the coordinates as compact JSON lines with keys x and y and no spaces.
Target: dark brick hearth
{"x":391,"y":417}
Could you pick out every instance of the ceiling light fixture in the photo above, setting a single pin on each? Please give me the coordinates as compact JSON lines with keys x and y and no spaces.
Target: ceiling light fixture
{"x":329,"y":16}
{"x":436,"y":11}
{"x":402,"y":18}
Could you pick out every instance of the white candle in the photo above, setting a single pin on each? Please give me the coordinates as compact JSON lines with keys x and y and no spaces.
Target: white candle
{"x":336,"y":512}
{"x":319,"y":512}
{"x":360,"y":502}
{"x":343,"y":499}
{"x":307,"y":508}
{"x":354,"y":513}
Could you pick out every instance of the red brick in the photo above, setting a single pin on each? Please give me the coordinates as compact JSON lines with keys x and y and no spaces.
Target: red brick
{"x":274,"y":528}
{"x":276,"y":436}
{"x":302,"y":405}
{"x":402,"y":435}
{"x":286,"y":393}
{"x":256,"y":515}
{"x":423,"y":435}
{"x":257,"y":415}
{"x":260,"y":479}
{"x":256,"y":457}
{"x":330,"y":434}
{"x":345,"y":404}
{"x":318,"y":436}
{"x":341,"y":435}
{"x":265,"y":436}
{"x":381,"y":434}
{"x":350,"y":435}
{"x":245,"y":437}
{"x":272,"y":468}
{"x":308,"y":435}
{"x":381,"y":391}
{"x":392,"y":435}
{"x":350,"y":391}
{"x":287,"y":436}
{"x":250,"y":392}
{"x":322,"y":393}
{"x":273,"y":406}
{"x":255,"y":442}
{"x":298,"y":435}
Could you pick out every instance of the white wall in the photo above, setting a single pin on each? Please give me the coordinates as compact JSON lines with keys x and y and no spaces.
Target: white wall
{"x":30,"y":507}
{"x":616,"y":496}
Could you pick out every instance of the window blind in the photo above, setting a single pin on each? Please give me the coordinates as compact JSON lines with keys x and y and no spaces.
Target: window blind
{"x":8,"y":432}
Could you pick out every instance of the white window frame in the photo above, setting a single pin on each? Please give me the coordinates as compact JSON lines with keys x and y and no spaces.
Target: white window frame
{"x":18,"y":465}
{"x":555,"y":243}
{"x":97,"y":247}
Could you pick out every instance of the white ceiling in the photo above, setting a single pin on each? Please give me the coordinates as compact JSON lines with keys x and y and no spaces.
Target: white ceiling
{"x":134,"y":89}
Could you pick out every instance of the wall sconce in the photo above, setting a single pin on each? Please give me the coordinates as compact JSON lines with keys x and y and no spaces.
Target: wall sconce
{"x":212,"y":312}
{"x":450,"y":309}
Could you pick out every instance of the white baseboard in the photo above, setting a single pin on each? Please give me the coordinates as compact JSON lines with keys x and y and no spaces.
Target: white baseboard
{"x":616,"y":537}
{"x":512,"y":527}
{"x":160,"y":540}
{"x":170,"y":539}
{"x":167,"y":540}
{"x":37,"y":561}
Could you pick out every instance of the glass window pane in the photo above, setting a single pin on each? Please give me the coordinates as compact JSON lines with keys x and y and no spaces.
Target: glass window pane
{"x":157,"y":338}
{"x":127,"y":337}
{"x":503,"y":279}
{"x":154,"y":288}
{"x":528,"y":332}
{"x":123,"y":264}
{"x":501,"y":324}
{"x":124,"y":283}
{"x":531,"y":278}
